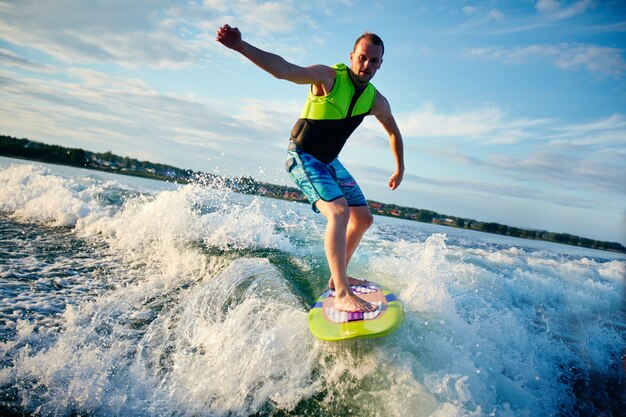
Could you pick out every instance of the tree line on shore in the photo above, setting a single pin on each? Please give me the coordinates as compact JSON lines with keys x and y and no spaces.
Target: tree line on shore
{"x":31,"y":150}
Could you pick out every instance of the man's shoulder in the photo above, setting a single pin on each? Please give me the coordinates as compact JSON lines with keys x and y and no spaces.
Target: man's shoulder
{"x":381,"y":105}
{"x":322,"y":79}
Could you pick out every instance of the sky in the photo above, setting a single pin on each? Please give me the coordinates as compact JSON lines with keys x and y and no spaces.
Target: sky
{"x":510,"y":111}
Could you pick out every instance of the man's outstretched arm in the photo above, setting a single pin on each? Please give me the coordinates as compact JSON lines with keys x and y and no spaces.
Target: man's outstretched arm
{"x":319,"y":75}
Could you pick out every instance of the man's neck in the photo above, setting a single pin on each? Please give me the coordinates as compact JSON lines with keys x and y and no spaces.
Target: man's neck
{"x":358,"y":84}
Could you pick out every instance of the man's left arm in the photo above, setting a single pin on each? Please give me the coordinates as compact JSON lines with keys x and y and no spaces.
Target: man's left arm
{"x":382,"y":111}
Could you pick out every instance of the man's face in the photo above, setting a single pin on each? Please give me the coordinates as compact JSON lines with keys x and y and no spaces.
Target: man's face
{"x":365,"y":60}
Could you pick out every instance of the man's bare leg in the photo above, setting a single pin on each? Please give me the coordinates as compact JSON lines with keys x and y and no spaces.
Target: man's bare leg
{"x":360,"y":220}
{"x":337,"y":214}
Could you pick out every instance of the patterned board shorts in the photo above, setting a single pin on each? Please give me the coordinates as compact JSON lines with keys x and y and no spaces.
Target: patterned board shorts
{"x":321,"y":181}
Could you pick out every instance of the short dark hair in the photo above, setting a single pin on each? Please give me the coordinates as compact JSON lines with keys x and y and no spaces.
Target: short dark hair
{"x":373,"y":38}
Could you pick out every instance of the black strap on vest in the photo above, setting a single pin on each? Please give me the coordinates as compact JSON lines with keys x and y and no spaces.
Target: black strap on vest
{"x":355,"y":96}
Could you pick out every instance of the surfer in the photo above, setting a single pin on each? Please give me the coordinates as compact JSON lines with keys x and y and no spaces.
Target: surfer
{"x":339,"y":98}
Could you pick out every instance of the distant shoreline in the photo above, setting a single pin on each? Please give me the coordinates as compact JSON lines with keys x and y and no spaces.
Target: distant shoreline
{"x":109,"y":162}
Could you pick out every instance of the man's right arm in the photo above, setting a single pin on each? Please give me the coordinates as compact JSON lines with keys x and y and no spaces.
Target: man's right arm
{"x":318,"y":75}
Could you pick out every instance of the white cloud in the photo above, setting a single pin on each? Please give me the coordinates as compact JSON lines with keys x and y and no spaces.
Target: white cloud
{"x":114,"y":112}
{"x":551,"y":15}
{"x":479,"y":16}
{"x":469,"y":10}
{"x":553,"y":9}
{"x":126,"y":33}
{"x":11,"y":59}
{"x":429,"y":122}
{"x":498,"y":186}
{"x":98,"y":111}
{"x":613,"y":122}
{"x":488,"y":124}
{"x":595,"y":59}
{"x":273,"y":117}
{"x":161,"y":34}
{"x":575,"y":9}
{"x":496,"y":15}
{"x":270,"y":17}
{"x":545,"y":6}
{"x":220,"y":5}
{"x":516,"y":55}
{"x":575,"y":168}
{"x":572,"y":160}
{"x":584,"y":156}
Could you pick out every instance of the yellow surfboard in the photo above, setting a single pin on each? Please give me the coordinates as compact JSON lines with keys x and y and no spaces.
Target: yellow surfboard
{"x":332,"y":325}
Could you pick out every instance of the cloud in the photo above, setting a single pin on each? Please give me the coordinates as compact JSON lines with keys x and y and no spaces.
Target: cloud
{"x":496,"y":15}
{"x":602,"y":132}
{"x":596,"y":59}
{"x":478,"y":17}
{"x":488,"y":125}
{"x":498,"y":186}
{"x":546,"y":6}
{"x":274,"y":118}
{"x":113,"y":112}
{"x":470,"y":10}
{"x":269,"y":17}
{"x":552,"y":15}
{"x":98,"y":111}
{"x":10,"y":59}
{"x":554,"y":10}
{"x":515,"y":56}
{"x":161,"y":34}
{"x":596,"y":172}
{"x":587,"y":157}
{"x":124,"y":33}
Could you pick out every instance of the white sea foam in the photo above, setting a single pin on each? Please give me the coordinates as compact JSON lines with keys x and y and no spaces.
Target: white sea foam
{"x":498,"y":330}
{"x":207,"y":353}
{"x":32,"y":193}
{"x":183,"y":301}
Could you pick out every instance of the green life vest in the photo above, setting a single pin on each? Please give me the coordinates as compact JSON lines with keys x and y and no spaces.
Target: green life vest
{"x":326,"y":122}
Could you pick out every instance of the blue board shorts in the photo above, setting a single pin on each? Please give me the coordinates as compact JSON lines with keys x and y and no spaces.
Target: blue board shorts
{"x":322,"y":181}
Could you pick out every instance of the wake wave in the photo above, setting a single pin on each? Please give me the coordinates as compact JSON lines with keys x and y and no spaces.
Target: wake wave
{"x":158,"y":299}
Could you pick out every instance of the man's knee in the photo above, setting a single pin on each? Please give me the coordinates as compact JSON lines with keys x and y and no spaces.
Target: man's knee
{"x":362,"y":217}
{"x":369,"y":221}
{"x":337,"y":210}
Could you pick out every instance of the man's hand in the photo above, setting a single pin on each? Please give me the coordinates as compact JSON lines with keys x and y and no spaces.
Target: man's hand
{"x":229,"y":37}
{"x":395,"y":180}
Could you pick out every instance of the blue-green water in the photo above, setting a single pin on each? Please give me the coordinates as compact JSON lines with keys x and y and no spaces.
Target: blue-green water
{"x":124,"y":296}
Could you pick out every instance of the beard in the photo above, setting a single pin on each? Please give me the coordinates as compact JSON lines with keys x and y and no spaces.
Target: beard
{"x":361,"y":78}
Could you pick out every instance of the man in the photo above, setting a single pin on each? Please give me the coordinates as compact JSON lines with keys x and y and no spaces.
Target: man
{"x":339,"y":99}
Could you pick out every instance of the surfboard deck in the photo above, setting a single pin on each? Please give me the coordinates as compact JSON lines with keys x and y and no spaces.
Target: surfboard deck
{"x":332,"y":325}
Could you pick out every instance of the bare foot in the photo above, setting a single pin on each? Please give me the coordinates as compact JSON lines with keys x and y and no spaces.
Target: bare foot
{"x":351,"y":281}
{"x":352,"y":303}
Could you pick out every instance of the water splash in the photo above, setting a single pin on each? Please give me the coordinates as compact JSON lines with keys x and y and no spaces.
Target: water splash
{"x":191,"y":300}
